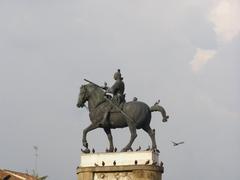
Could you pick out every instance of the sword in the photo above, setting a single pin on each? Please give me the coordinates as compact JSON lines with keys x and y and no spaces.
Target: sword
{"x":94,"y":84}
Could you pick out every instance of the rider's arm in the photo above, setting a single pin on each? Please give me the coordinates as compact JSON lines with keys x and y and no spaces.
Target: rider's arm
{"x":114,"y":88}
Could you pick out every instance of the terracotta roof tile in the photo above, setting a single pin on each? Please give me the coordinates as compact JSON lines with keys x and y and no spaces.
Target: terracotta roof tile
{"x":15,"y":175}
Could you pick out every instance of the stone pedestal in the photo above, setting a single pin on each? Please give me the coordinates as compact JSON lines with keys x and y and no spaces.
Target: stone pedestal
{"x":142,"y":165}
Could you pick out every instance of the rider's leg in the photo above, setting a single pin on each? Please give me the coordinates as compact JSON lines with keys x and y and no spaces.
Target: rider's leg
{"x":105,"y":118}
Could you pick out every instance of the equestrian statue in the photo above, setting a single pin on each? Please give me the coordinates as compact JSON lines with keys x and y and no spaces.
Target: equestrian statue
{"x":108,"y":109}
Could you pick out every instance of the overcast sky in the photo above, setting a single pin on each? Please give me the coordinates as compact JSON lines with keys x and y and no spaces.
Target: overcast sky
{"x":185,"y":53}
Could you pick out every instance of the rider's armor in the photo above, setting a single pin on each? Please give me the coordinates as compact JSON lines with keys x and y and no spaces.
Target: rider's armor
{"x":117,"y":90}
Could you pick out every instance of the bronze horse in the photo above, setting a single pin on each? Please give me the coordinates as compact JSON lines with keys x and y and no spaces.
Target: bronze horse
{"x":135,"y":115}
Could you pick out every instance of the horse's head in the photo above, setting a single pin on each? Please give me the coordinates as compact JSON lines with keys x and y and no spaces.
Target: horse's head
{"x":83,"y":96}
{"x":90,"y":92}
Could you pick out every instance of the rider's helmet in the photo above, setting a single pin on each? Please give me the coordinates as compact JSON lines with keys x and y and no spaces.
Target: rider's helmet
{"x":117,"y":75}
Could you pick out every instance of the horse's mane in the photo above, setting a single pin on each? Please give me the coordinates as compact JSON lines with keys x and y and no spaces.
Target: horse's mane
{"x":95,"y":88}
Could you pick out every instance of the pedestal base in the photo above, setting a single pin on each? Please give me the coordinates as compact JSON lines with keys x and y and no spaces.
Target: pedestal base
{"x":120,"y":166}
{"x":140,"y":172}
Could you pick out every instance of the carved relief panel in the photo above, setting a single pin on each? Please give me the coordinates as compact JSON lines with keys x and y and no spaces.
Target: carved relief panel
{"x":114,"y":176}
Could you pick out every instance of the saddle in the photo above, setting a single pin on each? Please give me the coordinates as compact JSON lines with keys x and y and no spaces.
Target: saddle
{"x":117,"y":103}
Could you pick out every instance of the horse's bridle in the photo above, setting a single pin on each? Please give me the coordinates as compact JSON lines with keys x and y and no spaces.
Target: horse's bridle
{"x":85,"y":97}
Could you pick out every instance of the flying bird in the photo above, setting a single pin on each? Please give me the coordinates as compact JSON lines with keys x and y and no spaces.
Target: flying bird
{"x":177,"y":143}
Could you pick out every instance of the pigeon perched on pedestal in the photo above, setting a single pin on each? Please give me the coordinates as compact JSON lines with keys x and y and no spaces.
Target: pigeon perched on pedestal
{"x":139,"y":148}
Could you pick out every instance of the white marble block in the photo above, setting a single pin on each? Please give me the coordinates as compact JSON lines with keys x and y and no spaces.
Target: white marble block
{"x":121,"y":158}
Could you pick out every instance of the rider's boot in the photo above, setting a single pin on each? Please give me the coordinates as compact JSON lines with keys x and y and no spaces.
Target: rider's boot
{"x":104,"y":122}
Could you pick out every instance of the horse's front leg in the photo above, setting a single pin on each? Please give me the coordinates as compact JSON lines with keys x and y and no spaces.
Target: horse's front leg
{"x":110,"y":139}
{"x":84,"y":138}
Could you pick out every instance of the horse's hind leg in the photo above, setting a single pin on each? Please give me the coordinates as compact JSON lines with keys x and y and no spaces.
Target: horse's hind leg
{"x":133,"y":132}
{"x":110,"y":139}
{"x":151,"y":133}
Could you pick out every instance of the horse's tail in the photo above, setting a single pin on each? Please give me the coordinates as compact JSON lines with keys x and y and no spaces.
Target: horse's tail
{"x":158,"y":108}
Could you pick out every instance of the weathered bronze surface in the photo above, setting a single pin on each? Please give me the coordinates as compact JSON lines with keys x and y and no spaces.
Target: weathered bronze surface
{"x":114,"y":112}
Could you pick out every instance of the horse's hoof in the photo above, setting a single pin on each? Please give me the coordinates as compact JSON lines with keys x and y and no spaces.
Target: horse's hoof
{"x":86,"y":150}
{"x":124,"y":150}
{"x":111,"y":150}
